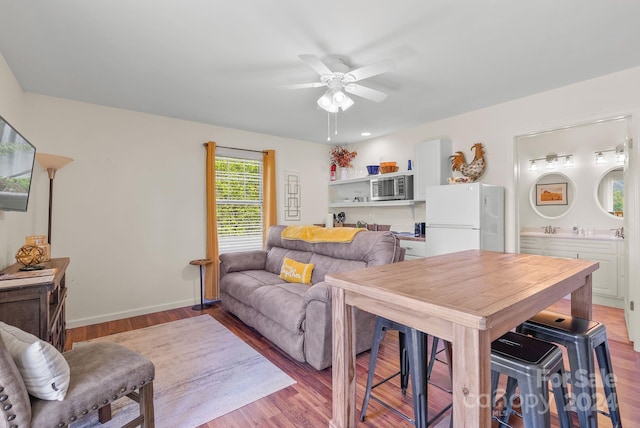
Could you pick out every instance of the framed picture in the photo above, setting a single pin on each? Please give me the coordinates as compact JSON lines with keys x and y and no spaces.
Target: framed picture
{"x":551,"y":194}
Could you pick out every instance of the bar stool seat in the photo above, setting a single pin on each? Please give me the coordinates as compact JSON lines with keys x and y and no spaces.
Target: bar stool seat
{"x":530,"y":364}
{"x":581,"y":338}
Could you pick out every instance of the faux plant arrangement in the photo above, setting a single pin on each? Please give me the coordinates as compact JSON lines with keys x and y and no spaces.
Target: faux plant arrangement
{"x":342,"y":157}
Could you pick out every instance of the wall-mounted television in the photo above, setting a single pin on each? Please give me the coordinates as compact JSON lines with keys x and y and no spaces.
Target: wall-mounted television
{"x":16,"y":168}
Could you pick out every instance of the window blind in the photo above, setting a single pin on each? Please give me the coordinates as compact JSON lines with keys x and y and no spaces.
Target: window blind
{"x":239,"y":204}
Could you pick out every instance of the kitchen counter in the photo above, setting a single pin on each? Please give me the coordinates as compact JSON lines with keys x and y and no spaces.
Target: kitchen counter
{"x":409,"y":237}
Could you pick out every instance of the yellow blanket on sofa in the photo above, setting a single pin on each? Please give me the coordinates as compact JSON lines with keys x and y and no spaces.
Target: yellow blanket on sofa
{"x":320,"y":234}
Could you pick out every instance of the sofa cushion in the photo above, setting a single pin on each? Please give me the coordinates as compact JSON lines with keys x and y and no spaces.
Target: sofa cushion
{"x":282,"y":303}
{"x":44,"y":370}
{"x":241,"y":285}
{"x":246,"y":260}
{"x":325,"y":265}
{"x":276,"y":256}
{"x":293,"y":271}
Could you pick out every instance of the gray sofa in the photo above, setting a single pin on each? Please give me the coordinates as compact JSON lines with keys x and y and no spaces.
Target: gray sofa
{"x":297,"y":317}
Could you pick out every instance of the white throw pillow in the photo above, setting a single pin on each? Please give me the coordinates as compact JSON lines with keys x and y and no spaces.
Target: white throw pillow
{"x":44,"y":370}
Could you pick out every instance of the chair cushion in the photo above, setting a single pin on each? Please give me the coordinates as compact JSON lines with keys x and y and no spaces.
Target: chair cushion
{"x":100,"y":374}
{"x":44,"y":370}
{"x":15,"y":406}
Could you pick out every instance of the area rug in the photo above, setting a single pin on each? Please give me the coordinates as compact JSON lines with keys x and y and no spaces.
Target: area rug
{"x":203,"y":371}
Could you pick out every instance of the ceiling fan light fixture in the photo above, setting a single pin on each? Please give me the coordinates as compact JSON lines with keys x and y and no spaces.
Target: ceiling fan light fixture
{"x":335,"y":100}
{"x":346,"y":102}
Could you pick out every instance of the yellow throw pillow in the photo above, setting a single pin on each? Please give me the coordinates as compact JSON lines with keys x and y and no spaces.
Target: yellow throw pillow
{"x":293,"y":271}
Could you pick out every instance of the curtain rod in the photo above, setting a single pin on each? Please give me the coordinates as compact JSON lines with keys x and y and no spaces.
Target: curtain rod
{"x":235,"y":148}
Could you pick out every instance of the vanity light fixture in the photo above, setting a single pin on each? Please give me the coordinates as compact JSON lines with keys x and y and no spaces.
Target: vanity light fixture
{"x":601,"y":157}
{"x":551,"y":161}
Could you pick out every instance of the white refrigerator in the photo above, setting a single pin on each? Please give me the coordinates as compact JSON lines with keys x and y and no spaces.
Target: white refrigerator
{"x":464,"y":217}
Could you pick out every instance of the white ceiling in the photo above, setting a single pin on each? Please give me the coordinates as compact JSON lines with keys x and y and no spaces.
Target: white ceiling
{"x":221,"y":62}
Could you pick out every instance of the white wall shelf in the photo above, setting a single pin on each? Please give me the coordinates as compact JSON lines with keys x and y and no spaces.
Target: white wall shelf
{"x":368,"y":178}
{"x":401,"y":203}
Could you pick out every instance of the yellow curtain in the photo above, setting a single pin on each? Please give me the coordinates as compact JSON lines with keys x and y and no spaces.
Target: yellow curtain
{"x":212,"y":272}
{"x":270,"y":214}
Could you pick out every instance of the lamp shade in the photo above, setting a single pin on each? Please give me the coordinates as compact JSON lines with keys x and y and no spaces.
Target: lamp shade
{"x":52,"y":163}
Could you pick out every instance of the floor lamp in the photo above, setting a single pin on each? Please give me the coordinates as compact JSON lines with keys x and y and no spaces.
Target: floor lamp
{"x":51,"y":163}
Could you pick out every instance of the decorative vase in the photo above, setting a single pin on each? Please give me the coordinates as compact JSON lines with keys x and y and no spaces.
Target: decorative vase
{"x":344,"y":173}
{"x":41,"y":242}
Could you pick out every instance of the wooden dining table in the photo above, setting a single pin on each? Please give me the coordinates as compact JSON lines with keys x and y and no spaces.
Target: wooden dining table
{"x":469,"y":298}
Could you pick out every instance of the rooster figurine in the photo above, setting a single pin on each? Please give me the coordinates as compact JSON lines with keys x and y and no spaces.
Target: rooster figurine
{"x":475,"y":169}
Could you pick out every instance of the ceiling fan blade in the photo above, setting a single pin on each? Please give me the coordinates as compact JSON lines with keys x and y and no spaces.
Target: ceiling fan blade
{"x":315,"y":63}
{"x":302,"y":85}
{"x":372,"y":70}
{"x":364,"y":92}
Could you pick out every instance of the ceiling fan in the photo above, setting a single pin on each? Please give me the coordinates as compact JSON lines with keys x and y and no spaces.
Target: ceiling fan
{"x":339,"y":78}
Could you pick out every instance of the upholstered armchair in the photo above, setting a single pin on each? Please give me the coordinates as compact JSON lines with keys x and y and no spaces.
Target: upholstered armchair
{"x":94,"y":375}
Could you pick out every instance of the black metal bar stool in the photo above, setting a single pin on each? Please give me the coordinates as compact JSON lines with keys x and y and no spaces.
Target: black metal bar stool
{"x":413,"y":362}
{"x":581,"y":337}
{"x":530,"y":364}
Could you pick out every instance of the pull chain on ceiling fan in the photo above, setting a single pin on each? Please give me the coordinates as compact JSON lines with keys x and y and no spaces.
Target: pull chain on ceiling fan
{"x":340,"y":81}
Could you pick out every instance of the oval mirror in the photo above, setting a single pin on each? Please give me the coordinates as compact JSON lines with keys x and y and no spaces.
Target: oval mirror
{"x":552,"y":195}
{"x":610,"y":192}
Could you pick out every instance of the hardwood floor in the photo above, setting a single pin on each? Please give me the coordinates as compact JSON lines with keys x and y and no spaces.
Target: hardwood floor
{"x":308,"y":402}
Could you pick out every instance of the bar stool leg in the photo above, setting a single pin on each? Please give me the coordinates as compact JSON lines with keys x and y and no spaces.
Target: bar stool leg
{"x":373,"y":357}
{"x":582,"y":390}
{"x":404,"y":363}
{"x":530,"y":396}
{"x":510,"y":393}
{"x":560,"y":395}
{"x":606,"y":373}
{"x":417,"y":350}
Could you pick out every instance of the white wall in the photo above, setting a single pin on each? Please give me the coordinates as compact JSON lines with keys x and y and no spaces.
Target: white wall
{"x":14,"y":226}
{"x":129,"y":210}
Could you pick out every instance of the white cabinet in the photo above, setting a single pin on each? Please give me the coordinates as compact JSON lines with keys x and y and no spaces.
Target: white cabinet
{"x":413,"y":249}
{"x":432,"y":165}
{"x":606,"y":280}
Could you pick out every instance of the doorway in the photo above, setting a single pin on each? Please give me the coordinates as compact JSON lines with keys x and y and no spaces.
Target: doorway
{"x":586,"y":173}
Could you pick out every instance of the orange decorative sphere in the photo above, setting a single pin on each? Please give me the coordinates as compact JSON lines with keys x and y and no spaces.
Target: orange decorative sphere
{"x":30,"y":255}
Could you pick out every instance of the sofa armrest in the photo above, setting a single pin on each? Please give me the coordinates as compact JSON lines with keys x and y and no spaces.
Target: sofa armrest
{"x":245,"y":260}
{"x":320,"y":291}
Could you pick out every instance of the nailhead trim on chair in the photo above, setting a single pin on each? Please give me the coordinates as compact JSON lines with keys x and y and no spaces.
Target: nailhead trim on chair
{"x":7,"y":406}
{"x":95,"y":406}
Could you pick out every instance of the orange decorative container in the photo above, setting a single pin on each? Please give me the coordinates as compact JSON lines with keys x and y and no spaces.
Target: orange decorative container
{"x":40,"y":241}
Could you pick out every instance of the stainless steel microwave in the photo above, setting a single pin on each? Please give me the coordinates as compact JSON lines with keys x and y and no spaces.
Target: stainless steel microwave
{"x":393,"y":188}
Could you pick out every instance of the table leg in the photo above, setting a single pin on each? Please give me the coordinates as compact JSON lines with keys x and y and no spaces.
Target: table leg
{"x":471,"y":377}
{"x":581,"y":300}
{"x":343,"y":362}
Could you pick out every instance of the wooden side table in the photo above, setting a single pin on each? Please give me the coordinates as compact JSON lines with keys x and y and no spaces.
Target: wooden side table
{"x":202,"y":263}
{"x":38,"y":309}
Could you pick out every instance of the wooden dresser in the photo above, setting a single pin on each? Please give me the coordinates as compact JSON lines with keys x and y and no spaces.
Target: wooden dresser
{"x":38,"y":308}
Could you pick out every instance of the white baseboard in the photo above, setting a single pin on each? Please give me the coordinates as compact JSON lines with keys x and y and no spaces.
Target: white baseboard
{"x":81,"y":322}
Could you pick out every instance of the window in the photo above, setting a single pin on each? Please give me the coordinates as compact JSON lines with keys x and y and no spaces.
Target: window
{"x":239,"y":203}
{"x":611,"y":192}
